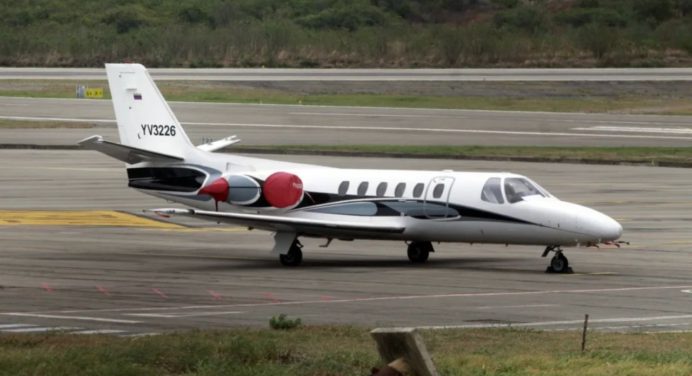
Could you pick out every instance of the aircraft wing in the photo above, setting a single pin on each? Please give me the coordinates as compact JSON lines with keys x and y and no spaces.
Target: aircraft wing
{"x":307,"y":226}
{"x":127,"y":154}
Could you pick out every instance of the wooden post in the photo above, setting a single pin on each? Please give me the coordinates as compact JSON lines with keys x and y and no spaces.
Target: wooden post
{"x":406,"y":343}
{"x":583,"y":333}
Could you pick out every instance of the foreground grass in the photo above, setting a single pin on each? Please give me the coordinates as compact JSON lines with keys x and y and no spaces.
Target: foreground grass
{"x":229,"y":93}
{"x":343,"y":351}
{"x":656,"y":156}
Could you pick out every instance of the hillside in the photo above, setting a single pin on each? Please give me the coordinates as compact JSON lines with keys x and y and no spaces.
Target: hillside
{"x":347,"y":33}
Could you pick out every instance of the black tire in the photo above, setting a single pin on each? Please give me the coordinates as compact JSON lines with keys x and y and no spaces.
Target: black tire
{"x":293,"y":258}
{"x":559,"y":264}
{"x":418,"y":252}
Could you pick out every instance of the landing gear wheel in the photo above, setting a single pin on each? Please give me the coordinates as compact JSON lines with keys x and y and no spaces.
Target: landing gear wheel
{"x":418,"y":252}
{"x":294,"y":256}
{"x":559,"y":264}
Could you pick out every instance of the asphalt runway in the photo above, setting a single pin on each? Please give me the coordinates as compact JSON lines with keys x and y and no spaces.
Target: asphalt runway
{"x":329,"y":125}
{"x":332,"y":74}
{"x":66,"y":263}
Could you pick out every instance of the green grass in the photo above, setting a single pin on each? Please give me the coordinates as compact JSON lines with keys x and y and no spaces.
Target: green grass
{"x":343,"y":351}
{"x":46,"y":88}
{"x":229,"y":93}
{"x":677,"y":156}
{"x":7,"y":123}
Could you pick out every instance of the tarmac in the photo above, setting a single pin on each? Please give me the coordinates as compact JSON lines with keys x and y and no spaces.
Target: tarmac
{"x":333,"y":125}
{"x":78,"y":255}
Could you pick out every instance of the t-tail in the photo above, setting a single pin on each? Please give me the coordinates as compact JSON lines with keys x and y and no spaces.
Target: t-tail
{"x":148,"y":128}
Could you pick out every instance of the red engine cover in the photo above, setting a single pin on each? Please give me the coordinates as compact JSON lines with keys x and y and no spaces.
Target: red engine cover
{"x":218,"y":189}
{"x":282,"y":190}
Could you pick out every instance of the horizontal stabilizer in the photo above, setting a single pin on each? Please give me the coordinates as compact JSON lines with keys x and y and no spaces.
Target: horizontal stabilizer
{"x":284,"y":223}
{"x":127,"y":154}
{"x":219,"y":144}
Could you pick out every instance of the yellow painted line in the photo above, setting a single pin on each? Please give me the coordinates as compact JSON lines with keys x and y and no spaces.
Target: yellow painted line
{"x":79,"y":218}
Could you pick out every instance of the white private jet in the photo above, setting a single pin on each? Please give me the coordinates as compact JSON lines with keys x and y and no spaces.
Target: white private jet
{"x":294,"y":200}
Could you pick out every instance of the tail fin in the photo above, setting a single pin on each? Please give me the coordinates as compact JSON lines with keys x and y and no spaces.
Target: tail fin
{"x":144,"y":119}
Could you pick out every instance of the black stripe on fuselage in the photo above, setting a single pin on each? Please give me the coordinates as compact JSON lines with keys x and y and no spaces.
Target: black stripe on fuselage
{"x":418,"y":209}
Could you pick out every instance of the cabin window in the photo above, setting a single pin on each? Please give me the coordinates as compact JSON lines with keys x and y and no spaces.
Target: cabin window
{"x":418,"y":190}
{"x":492,"y":191}
{"x":399,"y":190}
{"x":438,"y":190}
{"x":518,"y":188}
{"x":343,"y":188}
{"x":381,"y":189}
{"x":362,"y":188}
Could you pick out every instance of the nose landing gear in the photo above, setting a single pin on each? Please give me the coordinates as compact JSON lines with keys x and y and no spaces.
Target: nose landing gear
{"x":559,"y":263}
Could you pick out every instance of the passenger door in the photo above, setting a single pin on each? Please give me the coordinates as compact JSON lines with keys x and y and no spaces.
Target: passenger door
{"x":436,"y":198}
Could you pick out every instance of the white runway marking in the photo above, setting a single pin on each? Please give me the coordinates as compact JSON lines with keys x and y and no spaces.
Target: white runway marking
{"x":40,"y":329}
{"x":519,"y":306}
{"x":47,"y":118}
{"x":636,"y":129}
{"x":461,"y":115}
{"x":99,"y":331}
{"x":361,"y":114}
{"x":184,"y":315}
{"x":136,"y":335}
{"x":13,"y":326}
{"x":441,"y":130}
{"x":60,"y":317}
{"x":686,"y":291}
{"x":388,"y":129}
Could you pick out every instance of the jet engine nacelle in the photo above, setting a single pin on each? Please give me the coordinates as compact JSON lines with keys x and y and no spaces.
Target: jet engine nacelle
{"x":281,"y":190}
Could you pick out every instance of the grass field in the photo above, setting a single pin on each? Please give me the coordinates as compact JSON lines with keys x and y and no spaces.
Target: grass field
{"x":622,"y":102}
{"x":343,"y":351}
{"x":8,"y":123}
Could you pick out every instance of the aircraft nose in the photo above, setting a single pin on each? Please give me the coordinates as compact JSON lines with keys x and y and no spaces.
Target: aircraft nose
{"x":610,"y":229}
{"x":600,"y":225}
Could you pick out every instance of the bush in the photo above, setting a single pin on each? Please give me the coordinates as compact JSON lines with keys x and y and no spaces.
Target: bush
{"x":587,"y":4}
{"x":193,"y":15}
{"x":685,"y":7}
{"x":656,"y":10}
{"x":597,"y":39}
{"x":578,"y":17}
{"x":343,"y":17}
{"x":505,"y":3}
{"x":127,"y":18}
{"x":282,"y":322}
{"x":527,"y":18}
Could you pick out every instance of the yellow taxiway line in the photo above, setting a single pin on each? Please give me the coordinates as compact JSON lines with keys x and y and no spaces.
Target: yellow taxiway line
{"x":104,"y":218}
{"x":79,"y":218}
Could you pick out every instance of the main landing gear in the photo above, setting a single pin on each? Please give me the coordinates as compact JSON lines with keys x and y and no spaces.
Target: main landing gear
{"x":418,"y":252}
{"x":294,"y":256}
{"x":559,"y":263}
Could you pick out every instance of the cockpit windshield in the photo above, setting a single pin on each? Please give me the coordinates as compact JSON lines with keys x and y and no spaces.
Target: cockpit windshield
{"x":518,"y":188}
{"x":492,"y":191}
